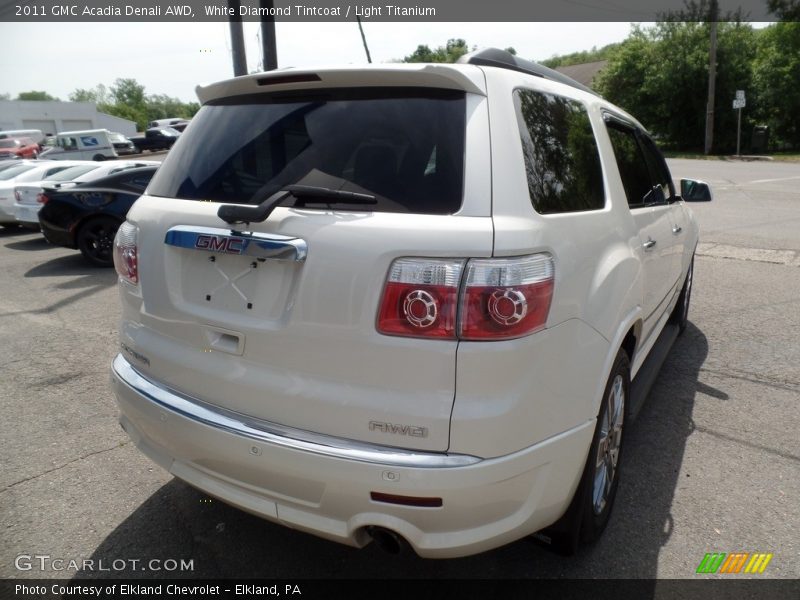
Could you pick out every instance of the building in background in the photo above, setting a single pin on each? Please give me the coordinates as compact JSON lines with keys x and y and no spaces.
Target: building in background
{"x":55,"y":117}
{"x":584,"y":73}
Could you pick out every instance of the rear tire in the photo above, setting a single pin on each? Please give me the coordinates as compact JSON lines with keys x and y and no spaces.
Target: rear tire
{"x":590,"y":509}
{"x":602,"y":470}
{"x":98,"y":157}
{"x":96,"y":241}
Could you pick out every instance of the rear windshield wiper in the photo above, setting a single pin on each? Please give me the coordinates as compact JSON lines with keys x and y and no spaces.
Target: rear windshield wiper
{"x":304,"y":193}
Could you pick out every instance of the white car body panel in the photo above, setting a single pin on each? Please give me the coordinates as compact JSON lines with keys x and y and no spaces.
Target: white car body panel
{"x":270,"y":407}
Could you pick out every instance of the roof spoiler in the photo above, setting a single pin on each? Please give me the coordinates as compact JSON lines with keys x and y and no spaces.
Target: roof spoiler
{"x":494,"y":57}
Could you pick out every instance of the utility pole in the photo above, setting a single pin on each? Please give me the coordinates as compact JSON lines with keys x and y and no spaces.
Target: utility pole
{"x":712,"y":76}
{"x":237,"y":40}
{"x":269,"y":46}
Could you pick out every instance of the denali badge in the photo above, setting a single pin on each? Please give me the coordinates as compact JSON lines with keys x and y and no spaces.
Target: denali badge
{"x":218,"y":243}
{"x":412,"y":430}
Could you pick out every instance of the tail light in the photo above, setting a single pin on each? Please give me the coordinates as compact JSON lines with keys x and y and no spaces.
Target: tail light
{"x":500,"y":298}
{"x":42,"y":198}
{"x":420,"y":298}
{"x":17,"y":196}
{"x":126,"y":255}
{"x":506,"y":298}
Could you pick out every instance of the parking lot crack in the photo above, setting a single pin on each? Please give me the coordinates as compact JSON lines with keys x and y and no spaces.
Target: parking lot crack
{"x":66,"y":464}
{"x":783,"y":384}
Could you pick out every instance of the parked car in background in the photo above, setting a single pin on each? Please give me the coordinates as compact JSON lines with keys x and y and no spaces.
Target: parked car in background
{"x":404,"y":303}
{"x":87,"y":216}
{"x":90,"y":144}
{"x":176,"y":123}
{"x":29,"y":197}
{"x":15,"y":164}
{"x":14,"y":148}
{"x":35,"y":134}
{"x":25,"y":173}
{"x":157,"y":138}
{"x":122,"y":145}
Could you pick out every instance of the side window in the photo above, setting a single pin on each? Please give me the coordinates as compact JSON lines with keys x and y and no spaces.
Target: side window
{"x":632,"y":165}
{"x":561,"y":158}
{"x":658,"y":167}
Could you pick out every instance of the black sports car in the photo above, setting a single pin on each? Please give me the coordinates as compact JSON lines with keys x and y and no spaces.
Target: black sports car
{"x":87,"y":216}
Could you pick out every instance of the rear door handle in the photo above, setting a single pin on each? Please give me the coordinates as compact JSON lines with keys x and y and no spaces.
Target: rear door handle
{"x":648,"y":245}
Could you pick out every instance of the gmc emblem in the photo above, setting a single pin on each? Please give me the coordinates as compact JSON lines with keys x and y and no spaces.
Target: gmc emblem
{"x":216,"y":243}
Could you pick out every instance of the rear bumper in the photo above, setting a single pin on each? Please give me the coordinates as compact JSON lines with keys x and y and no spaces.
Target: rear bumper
{"x":322,"y":485}
{"x":26,"y":213}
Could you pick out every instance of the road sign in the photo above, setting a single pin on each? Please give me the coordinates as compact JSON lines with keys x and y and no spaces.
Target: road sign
{"x":740,"y":95}
{"x":739,"y":103}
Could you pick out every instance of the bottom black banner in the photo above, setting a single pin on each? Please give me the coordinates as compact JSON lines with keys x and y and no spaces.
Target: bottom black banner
{"x":388,"y":589}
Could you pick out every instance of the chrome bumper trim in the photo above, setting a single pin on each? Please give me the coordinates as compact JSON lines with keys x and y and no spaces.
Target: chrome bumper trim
{"x":271,"y":433}
{"x":247,"y":243}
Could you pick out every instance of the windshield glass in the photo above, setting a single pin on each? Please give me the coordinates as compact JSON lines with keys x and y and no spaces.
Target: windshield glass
{"x":404,"y":146}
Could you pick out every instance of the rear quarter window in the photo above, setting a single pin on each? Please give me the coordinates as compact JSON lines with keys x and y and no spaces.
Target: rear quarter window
{"x":405,"y":146}
{"x":562,"y":163}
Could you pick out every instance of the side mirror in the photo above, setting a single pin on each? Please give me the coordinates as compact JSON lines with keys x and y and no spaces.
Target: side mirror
{"x":695,"y":191}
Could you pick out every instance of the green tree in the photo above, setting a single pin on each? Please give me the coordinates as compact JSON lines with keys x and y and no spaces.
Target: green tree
{"x":98,"y":95}
{"x":579,"y":58}
{"x":129,"y":92}
{"x":776,"y":82}
{"x":661,"y":75}
{"x":35,"y":95}
{"x":449,"y":53}
{"x":124,"y":111}
{"x":161,"y":106}
{"x":5,"y":96}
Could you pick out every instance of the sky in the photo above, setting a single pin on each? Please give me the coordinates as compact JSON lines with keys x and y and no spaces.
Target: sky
{"x":172,"y":58}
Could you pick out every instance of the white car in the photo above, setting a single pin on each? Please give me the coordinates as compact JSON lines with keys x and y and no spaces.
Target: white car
{"x":28,"y":171}
{"x":29,"y":196}
{"x":414,"y":304}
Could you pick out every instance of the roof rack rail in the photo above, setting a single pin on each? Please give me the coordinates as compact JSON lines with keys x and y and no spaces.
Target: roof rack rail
{"x":494,"y":57}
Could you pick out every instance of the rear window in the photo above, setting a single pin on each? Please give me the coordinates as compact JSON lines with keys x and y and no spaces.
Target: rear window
{"x":404,"y":146}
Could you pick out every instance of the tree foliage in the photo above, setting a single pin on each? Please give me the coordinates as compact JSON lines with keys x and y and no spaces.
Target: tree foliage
{"x":661,"y":75}
{"x":99,"y":95}
{"x":776,"y":82}
{"x":36,"y":95}
{"x":127,"y":99}
{"x":449,"y":53}
{"x":579,"y":58}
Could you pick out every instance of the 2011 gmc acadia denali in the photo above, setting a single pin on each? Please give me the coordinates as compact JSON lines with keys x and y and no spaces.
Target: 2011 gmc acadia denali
{"x":408,"y":303}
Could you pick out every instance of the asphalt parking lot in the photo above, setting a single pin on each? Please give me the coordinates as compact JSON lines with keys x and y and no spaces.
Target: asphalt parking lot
{"x":711,"y":465}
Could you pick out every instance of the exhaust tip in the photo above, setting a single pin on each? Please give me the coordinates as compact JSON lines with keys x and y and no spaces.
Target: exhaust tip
{"x":387,"y":540}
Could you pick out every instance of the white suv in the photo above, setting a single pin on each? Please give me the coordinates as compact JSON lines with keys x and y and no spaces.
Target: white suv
{"x":408,"y":303}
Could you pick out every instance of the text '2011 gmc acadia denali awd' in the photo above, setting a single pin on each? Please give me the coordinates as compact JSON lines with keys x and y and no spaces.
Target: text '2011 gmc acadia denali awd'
{"x":409,"y":303}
